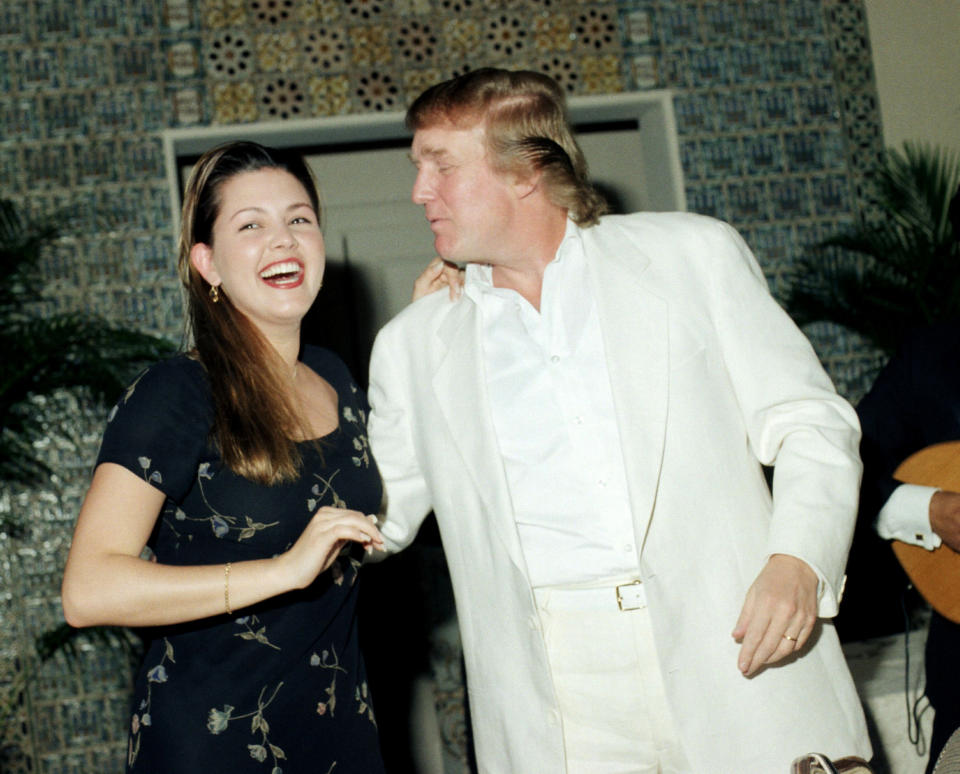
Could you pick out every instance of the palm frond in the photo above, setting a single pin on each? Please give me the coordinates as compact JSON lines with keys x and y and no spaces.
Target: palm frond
{"x":41,"y":354}
{"x":900,"y":267}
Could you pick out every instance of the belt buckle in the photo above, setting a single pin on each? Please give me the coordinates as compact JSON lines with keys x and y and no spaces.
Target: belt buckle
{"x":630,"y":595}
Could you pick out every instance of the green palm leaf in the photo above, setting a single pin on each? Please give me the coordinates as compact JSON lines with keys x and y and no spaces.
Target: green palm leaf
{"x":900,"y":267}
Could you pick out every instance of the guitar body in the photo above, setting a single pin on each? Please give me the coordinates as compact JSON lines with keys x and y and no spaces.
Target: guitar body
{"x":936,"y":574}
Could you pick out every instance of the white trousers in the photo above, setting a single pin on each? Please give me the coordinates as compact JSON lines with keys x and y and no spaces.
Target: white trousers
{"x":613,"y":707}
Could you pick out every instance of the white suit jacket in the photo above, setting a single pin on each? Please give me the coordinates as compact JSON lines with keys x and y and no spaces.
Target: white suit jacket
{"x":710,"y":379}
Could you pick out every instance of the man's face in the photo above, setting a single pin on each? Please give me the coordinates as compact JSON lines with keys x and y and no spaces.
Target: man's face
{"x":469,"y":206}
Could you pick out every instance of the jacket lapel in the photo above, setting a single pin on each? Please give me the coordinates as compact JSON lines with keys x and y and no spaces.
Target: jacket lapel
{"x":634,"y":322}
{"x":460,"y":385}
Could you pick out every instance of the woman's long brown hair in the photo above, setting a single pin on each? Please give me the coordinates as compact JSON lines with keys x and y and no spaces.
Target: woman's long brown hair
{"x":255,"y":417}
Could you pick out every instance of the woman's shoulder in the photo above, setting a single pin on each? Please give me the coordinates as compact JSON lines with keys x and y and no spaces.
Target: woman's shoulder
{"x":327,"y":364}
{"x":177,"y":381}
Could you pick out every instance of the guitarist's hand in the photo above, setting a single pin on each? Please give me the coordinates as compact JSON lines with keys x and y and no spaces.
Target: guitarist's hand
{"x":778,"y":614}
{"x":945,"y":517}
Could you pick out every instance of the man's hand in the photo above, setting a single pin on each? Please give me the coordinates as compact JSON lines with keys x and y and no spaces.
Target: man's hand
{"x":778,"y":614}
{"x":945,"y":517}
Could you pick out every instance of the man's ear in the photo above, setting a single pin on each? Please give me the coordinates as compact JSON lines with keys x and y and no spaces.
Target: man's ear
{"x":526,"y":184}
{"x":201,"y":257}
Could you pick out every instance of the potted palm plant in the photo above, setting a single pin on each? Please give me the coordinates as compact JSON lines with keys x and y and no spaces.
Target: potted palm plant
{"x":42,"y":355}
{"x":897,"y":269}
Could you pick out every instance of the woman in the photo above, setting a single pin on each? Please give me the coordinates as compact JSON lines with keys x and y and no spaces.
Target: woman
{"x":244,"y":465}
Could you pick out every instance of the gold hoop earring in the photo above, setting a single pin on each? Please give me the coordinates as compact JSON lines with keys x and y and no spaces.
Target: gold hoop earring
{"x":215,"y":294}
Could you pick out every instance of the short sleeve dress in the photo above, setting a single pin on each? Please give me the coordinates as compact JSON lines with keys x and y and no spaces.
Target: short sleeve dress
{"x":279,"y":686}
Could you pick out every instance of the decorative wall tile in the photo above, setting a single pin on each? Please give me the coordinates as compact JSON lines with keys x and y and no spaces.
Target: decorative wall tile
{"x":639,"y":26}
{"x":790,"y":60}
{"x":178,"y":14}
{"x":596,"y":29}
{"x":37,"y":68}
{"x":462,"y":36}
{"x":763,"y":154}
{"x":762,"y":20}
{"x":748,"y":202}
{"x":370,"y":45}
{"x":563,"y":69}
{"x":722,"y":157}
{"x":103,"y":18}
{"x":89,"y":63}
{"x":365,"y":10}
{"x":735,"y":110}
{"x":224,"y":13}
{"x":324,"y":50}
{"x":416,"y":42}
{"x":553,"y":33}
{"x":281,"y":98}
{"x":271,"y":12}
{"x":708,"y":200}
{"x":136,"y":61}
{"x":14,"y":25}
{"x":506,"y":35}
{"x":644,"y":72}
{"x":721,"y":20}
{"x":278,"y":52}
{"x":776,"y":107}
{"x":601,"y":74}
{"x":187,"y":106}
{"x":56,"y":19}
{"x":749,"y":63}
{"x":115,"y":110}
{"x":230,"y":54}
{"x":377,"y":90}
{"x":234,"y":103}
{"x":183,"y":58}
{"x":416,"y":81}
{"x":329,"y":96}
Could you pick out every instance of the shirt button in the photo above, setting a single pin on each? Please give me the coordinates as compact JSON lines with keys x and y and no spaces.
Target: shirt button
{"x":555,"y":358}
{"x":628,"y":548}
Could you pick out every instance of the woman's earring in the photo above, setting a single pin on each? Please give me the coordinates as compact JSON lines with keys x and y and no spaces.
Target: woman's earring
{"x":215,"y":294}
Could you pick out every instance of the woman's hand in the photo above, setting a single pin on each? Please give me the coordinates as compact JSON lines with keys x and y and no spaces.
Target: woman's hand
{"x":323,"y":539}
{"x":439,"y":273}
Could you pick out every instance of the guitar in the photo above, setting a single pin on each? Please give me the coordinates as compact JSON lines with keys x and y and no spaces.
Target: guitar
{"x":936,"y":574}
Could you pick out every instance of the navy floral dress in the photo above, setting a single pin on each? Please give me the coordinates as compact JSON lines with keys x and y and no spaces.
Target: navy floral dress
{"x":279,"y":686}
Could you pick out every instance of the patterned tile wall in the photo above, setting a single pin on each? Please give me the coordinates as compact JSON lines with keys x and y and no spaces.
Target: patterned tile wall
{"x":776,"y":110}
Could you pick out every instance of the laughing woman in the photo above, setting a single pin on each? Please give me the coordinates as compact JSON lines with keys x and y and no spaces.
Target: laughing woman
{"x":243,"y":465}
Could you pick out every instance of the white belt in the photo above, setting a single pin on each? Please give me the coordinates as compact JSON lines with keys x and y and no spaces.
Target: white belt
{"x":625,"y":596}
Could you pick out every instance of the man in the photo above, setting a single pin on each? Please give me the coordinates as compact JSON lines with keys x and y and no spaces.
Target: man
{"x":915,"y":403}
{"x":589,"y":422}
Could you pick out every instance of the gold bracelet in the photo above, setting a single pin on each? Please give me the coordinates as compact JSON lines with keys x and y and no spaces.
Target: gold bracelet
{"x":226,"y":588}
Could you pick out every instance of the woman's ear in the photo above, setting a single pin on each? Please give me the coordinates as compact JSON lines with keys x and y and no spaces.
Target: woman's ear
{"x":201,"y":257}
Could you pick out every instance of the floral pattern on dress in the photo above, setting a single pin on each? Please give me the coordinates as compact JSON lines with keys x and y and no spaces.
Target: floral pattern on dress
{"x":155,"y":675}
{"x":218,"y":720}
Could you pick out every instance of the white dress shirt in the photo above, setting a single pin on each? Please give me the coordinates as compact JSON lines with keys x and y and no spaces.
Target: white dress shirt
{"x":905,"y":516}
{"x":555,"y":423}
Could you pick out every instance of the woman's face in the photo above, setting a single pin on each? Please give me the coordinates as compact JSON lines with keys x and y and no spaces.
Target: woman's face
{"x":267,"y":254}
